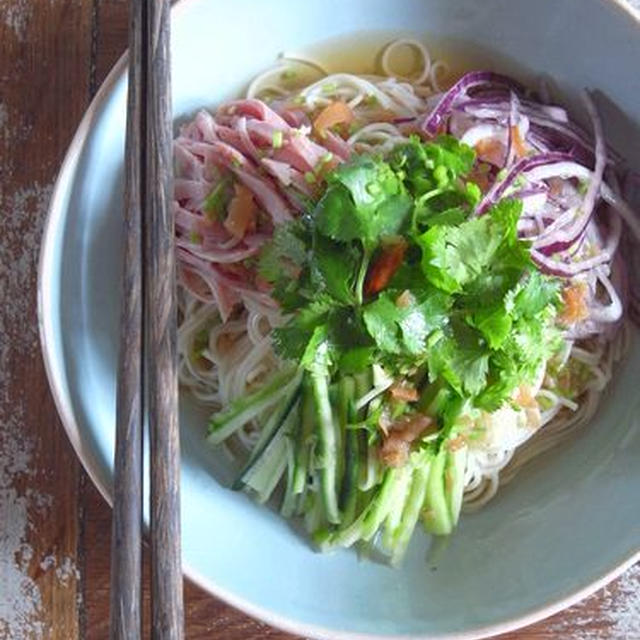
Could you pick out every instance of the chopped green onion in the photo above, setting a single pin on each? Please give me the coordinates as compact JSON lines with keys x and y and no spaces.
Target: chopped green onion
{"x":277,"y":139}
{"x":310,"y":177}
{"x":217,"y":200}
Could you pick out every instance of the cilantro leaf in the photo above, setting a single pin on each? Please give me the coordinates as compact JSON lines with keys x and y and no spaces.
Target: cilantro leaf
{"x":494,"y":323}
{"x":461,"y":358}
{"x":380,"y":318}
{"x":364,"y":200}
{"x":534,"y":294}
{"x":454,"y":256}
{"x":284,"y":254}
{"x":333,"y":268}
{"x":401,"y":321}
{"x":291,"y":341}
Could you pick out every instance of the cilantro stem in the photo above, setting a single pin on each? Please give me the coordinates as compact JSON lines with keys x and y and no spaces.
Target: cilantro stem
{"x":362,"y":274}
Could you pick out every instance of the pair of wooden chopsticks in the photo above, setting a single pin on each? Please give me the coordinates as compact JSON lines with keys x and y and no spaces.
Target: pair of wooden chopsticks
{"x":147,"y":371}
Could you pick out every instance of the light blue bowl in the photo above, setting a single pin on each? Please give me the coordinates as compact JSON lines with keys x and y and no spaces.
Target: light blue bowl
{"x":569,"y":523}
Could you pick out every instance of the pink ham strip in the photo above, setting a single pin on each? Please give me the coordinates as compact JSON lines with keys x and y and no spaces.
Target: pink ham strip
{"x":186,"y":164}
{"x":336,"y":145}
{"x":185,"y":220}
{"x":254,"y":109}
{"x":300,"y":152}
{"x":225,"y":298}
{"x":217,"y":255}
{"x":195,"y":191}
{"x":245,"y":139}
{"x":266,"y":194}
{"x":295,"y":117}
{"x":286,"y":175}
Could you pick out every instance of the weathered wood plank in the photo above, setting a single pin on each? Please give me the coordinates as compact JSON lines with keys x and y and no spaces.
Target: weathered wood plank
{"x":44,"y":83}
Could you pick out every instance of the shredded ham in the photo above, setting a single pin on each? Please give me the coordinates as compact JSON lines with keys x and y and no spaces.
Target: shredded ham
{"x":266,"y":155}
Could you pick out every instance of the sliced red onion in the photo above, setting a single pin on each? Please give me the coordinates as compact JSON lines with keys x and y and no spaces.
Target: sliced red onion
{"x":555,"y":113}
{"x":436,"y":118}
{"x":553,"y":267}
{"x":481,"y":131}
{"x":532,"y":202}
{"x":514,"y":119}
{"x":554,"y":240}
{"x":525,"y":165}
{"x":217,"y":255}
{"x":611,"y":312}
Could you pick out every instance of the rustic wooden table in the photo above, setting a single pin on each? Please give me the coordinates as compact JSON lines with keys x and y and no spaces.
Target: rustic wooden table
{"x":54,"y":527}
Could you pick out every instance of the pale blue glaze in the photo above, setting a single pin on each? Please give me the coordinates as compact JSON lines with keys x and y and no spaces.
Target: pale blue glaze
{"x":567,"y":520}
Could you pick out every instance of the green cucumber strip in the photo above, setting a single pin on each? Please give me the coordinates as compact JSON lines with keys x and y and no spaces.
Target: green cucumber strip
{"x":314,"y":514}
{"x":454,"y":481}
{"x":289,"y":501}
{"x":394,"y":518}
{"x":346,"y":392}
{"x":223,"y":423}
{"x":305,"y":438}
{"x":327,"y":456}
{"x":290,"y":403}
{"x":411,"y":514}
{"x":368,"y":522}
{"x":370,"y":469}
{"x":436,"y":517}
{"x":350,"y":493}
{"x":391,"y":487}
{"x":264,"y":473}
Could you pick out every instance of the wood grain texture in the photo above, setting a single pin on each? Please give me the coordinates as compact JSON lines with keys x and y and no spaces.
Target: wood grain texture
{"x":167,"y":607}
{"x":46,"y":75}
{"x":44,"y":67}
{"x":126,"y":542}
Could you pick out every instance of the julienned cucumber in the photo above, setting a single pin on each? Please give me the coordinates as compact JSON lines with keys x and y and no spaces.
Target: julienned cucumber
{"x":394,"y":519}
{"x":454,"y":479}
{"x":436,"y":516}
{"x":365,"y":526}
{"x":411,"y":512}
{"x":290,"y":500}
{"x":326,"y":459}
{"x":289,"y":404}
{"x":304,"y":439}
{"x":315,"y":441}
{"x":265,"y":471}
{"x":238,"y":413}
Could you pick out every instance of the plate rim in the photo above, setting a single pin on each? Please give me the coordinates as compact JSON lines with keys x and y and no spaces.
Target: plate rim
{"x":46,"y":330}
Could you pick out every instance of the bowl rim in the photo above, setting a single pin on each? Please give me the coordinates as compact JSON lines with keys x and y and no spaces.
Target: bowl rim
{"x":55,"y":214}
